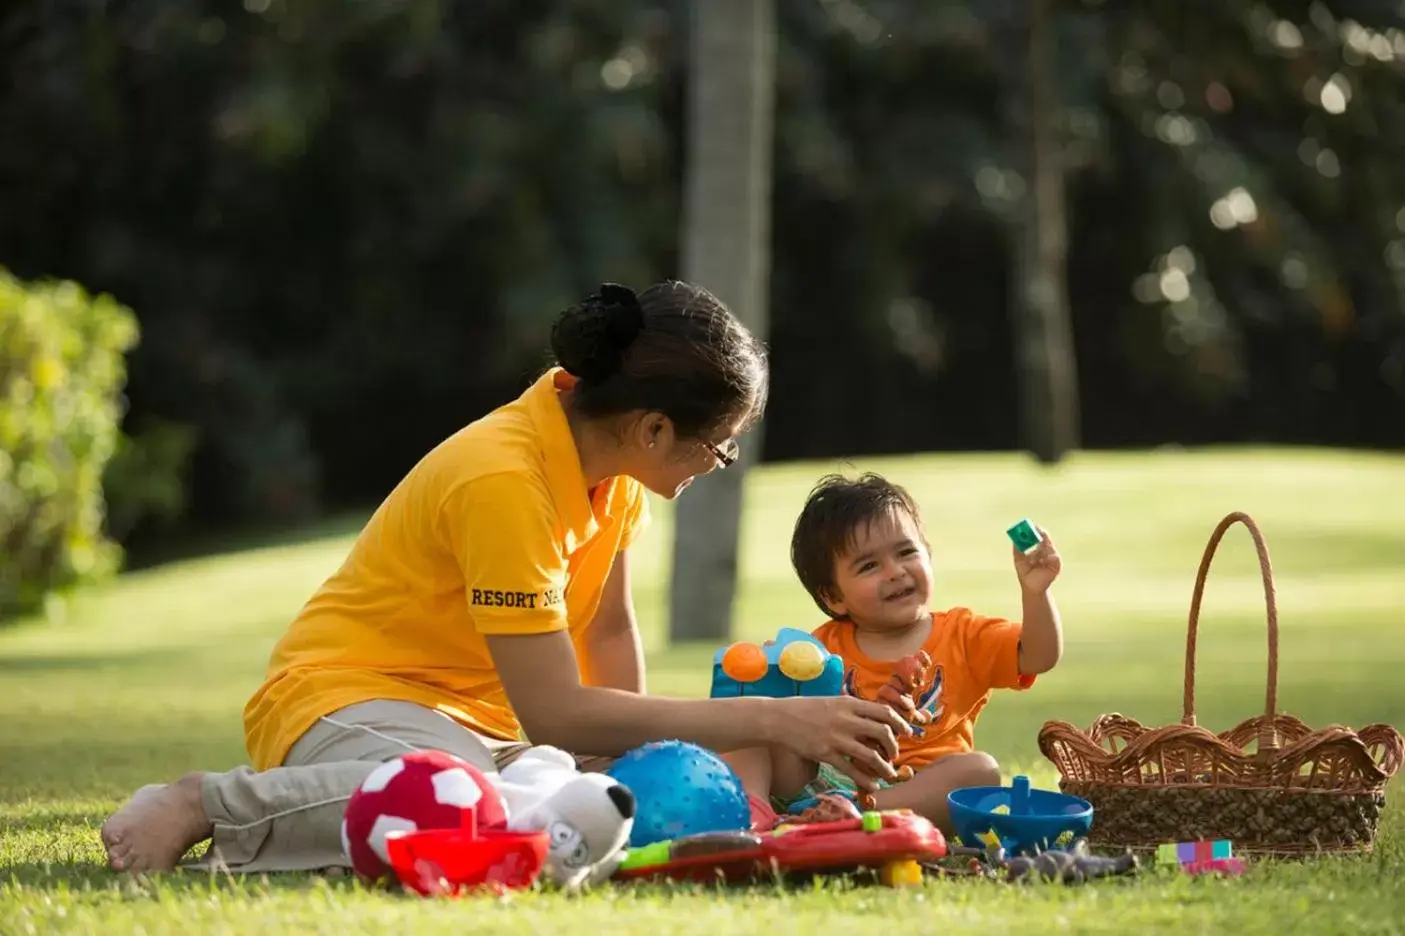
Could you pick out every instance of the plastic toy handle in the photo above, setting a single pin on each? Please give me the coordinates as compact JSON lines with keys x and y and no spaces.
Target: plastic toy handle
{"x":1019,"y":796}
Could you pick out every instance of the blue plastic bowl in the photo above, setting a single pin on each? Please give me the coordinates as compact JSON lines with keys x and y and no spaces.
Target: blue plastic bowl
{"x":1036,"y":818}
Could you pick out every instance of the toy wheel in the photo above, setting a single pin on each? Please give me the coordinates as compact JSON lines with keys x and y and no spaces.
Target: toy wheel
{"x":903,"y":873}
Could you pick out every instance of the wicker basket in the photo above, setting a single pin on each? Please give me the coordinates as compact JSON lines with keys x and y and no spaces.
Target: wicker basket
{"x":1298,"y":791}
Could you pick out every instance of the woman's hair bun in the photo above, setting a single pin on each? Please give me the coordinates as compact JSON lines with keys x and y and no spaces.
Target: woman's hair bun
{"x":590,"y":338}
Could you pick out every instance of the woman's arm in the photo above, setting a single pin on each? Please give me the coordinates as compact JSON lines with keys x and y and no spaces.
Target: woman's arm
{"x":539,"y":672}
{"x":615,"y":657}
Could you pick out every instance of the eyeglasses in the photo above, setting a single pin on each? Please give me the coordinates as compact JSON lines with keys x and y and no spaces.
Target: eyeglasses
{"x":726,"y":454}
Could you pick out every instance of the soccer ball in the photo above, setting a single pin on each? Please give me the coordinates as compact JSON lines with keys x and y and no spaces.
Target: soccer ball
{"x":422,"y":790}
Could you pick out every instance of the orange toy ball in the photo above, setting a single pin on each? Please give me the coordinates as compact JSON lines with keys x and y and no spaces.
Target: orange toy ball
{"x":745,"y":662}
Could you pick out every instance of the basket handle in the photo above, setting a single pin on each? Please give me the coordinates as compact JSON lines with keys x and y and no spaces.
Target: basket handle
{"x":1267,"y":737}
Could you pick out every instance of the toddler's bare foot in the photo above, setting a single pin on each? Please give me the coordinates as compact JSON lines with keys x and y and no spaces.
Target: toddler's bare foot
{"x":157,"y":826}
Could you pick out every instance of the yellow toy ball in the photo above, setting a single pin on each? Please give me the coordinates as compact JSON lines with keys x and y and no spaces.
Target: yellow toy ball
{"x":745,"y":662}
{"x":802,"y":661}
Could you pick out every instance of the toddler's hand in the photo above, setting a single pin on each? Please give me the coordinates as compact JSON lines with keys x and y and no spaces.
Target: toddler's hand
{"x":1038,"y":568}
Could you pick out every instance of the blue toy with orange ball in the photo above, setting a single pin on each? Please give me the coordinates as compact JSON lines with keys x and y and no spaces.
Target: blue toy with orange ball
{"x":795,"y":663}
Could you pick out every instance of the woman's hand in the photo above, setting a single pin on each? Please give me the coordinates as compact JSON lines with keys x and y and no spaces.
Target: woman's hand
{"x":854,"y":736}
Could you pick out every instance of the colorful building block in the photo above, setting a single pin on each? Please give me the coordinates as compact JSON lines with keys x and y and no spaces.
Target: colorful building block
{"x":1201,"y":857}
{"x":769,"y":670}
{"x":1229,"y":866}
{"x":1024,"y":535}
{"x":1191,"y":852}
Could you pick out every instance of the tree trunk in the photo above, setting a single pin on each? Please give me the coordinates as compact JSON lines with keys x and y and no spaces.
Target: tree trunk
{"x":726,"y":248}
{"x":1047,"y":370}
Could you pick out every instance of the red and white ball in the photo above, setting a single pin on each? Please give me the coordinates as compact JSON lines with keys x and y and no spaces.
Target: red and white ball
{"x":422,"y":790}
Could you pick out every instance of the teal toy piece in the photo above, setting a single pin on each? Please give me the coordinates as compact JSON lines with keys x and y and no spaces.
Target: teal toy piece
{"x":1024,"y":535}
{"x":1033,"y":823}
{"x":829,"y":681}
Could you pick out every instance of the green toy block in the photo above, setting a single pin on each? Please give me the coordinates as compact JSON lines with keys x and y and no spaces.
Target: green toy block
{"x":872,"y":821}
{"x":655,"y":854}
{"x":1024,"y":535}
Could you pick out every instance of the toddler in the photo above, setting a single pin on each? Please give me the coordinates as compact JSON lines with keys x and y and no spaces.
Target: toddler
{"x":860,"y":550}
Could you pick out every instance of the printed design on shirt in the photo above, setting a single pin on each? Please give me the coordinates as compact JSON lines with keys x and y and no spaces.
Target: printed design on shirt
{"x":930,"y":700}
{"x":927,"y":699}
{"x":509,"y":598}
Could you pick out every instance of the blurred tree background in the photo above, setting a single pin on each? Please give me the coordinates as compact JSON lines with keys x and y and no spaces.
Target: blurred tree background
{"x":345,"y":227}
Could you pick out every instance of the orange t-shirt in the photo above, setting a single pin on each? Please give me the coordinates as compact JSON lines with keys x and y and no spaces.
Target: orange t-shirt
{"x":493,"y":532}
{"x":971,"y":655}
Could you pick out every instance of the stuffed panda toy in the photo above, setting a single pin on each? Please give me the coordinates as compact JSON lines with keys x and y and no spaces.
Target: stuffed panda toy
{"x":588,"y":817}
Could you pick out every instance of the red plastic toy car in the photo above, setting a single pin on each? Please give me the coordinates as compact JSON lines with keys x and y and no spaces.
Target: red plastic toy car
{"x":894,"y":843}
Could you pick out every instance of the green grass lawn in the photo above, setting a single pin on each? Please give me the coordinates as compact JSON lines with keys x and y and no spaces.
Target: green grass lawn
{"x":147,"y":677}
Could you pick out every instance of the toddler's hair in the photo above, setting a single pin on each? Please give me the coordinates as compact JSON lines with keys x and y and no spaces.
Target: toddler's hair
{"x":829,"y":523}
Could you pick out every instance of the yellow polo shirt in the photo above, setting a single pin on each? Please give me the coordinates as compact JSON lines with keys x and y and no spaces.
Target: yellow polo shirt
{"x":493,"y":532}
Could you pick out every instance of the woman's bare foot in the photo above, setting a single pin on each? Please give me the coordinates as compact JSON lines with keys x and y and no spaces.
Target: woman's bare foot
{"x":159,"y":824}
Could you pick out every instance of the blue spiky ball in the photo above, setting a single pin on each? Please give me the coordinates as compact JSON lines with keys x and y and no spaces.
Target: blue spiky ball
{"x":680,"y":789}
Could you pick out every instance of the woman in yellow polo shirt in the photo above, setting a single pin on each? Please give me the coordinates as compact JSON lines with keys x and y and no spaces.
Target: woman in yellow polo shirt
{"x":487,"y":601}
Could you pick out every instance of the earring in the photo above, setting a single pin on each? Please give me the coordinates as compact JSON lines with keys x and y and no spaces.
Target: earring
{"x":651,"y":445}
